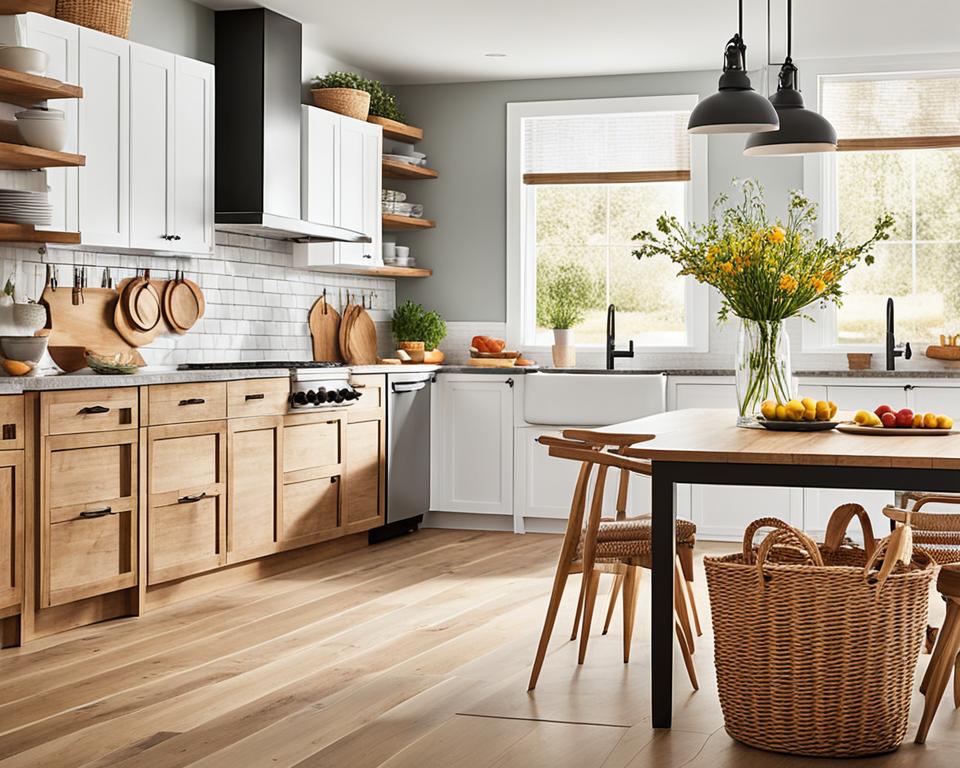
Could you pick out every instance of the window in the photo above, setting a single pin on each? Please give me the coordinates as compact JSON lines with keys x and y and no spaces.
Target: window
{"x":585,"y":177}
{"x":899,"y":152}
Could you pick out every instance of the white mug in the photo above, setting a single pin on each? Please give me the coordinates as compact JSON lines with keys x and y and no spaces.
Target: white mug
{"x":402,"y":251}
{"x":389,"y":250}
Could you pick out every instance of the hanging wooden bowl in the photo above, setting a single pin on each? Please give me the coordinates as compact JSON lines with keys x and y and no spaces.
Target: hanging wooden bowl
{"x":185,"y":308}
{"x":145,"y":304}
{"x":129,"y":332}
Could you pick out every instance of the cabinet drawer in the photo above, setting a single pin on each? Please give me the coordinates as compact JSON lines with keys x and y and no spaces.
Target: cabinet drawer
{"x":370,"y":386}
{"x":11,"y":422}
{"x":257,"y":397}
{"x":80,"y":475}
{"x":89,"y":410}
{"x":311,"y":441}
{"x":182,"y":403}
{"x":184,"y":539}
{"x":186,"y":459}
{"x":311,"y":510}
{"x":11,"y":529}
{"x":90,"y":556}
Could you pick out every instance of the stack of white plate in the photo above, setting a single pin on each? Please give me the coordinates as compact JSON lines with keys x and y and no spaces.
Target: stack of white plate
{"x":19,"y":207}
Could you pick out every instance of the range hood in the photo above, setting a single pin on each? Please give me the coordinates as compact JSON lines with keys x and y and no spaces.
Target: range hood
{"x":258,"y":56}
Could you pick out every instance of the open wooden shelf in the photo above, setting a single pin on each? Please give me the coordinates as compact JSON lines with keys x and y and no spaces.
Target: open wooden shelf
{"x":26,"y":90}
{"x":25,"y":233}
{"x":393,"y":222}
{"x":397,"y":131}
{"x":20,"y":157}
{"x":378,"y":271}
{"x":394,"y":169}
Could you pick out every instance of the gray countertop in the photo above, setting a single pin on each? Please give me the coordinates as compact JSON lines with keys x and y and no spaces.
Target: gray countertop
{"x":948,"y":373}
{"x":86,"y":379}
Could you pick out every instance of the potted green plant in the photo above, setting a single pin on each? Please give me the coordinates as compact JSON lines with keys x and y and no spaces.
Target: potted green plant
{"x":564,"y":291}
{"x":342,"y":92}
{"x":418,"y":332}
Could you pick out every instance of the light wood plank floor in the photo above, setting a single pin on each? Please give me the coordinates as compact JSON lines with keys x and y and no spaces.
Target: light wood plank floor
{"x":410,"y":654}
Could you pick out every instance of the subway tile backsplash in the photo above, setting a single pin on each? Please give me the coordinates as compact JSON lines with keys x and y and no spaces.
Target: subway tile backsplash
{"x":257,"y":301}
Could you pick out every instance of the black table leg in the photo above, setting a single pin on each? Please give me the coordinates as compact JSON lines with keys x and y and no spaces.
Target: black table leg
{"x":663,"y":552}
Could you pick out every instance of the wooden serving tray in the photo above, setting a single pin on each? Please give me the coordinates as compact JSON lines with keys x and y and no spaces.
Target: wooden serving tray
{"x":859,"y":429}
{"x":492,"y":362}
{"x":943,"y":353}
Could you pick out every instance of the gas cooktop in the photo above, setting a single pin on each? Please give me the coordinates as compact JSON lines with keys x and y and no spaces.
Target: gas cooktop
{"x":258,"y":364}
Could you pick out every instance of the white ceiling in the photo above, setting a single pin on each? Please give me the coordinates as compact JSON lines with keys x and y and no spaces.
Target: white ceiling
{"x":429,"y":41}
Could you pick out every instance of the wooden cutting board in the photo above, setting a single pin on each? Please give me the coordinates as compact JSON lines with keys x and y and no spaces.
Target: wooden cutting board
{"x":324,"y":323}
{"x":361,"y":339}
{"x":88,"y":325}
{"x":123,"y":324}
{"x":492,"y":362}
{"x":346,"y":318}
{"x":185,"y":307}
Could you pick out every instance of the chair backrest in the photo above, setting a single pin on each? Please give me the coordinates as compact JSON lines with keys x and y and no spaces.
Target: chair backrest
{"x":935,"y":522}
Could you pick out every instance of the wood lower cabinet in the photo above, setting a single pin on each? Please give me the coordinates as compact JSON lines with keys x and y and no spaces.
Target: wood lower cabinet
{"x":11,"y":531}
{"x":254,"y":486}
{"x":313,"y":467}
{"x":88,"y":526}
{"x":186,"y":510}
{"x":365,"y":481}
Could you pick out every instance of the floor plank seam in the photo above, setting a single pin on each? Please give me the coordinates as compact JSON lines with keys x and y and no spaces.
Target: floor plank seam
{"x":542,"y":720}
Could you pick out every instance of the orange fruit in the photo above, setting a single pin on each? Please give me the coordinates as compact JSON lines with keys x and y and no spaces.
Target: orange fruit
{"x":16,"y":368}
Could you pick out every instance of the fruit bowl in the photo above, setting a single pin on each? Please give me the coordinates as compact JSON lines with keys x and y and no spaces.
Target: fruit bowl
{"x":797,"y":426}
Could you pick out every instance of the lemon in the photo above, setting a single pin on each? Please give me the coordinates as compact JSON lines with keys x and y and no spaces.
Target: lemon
{"x":809,"y":403}
{"x":944,"y":422}
{"x":833,"y":408}
{"x":874,"y":421}
{"x":810,"y":415}
{"x":795,"y":410}
{"x":917,"y":420}
{"x":769,"y":409}
{"x":862,"y":417}
{"x":781,"y":412}
{"x":930,"y":420}
{"x":823,"y":411}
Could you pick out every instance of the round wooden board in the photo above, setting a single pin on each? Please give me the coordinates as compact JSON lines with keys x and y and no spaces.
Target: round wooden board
{"x":859,"y":429}
{"x":198,"y":295}
{"x":167,"y":312}
{"x":324,"y":322}
{"x":127,"y":330}
{"x":128,"y":298}
{"x":184,"y":307}
{"x":146,"y":306}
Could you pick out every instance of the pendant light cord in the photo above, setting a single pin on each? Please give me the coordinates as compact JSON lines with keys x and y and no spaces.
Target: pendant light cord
{"x":741,"y":20}
{"x":789,"y":30}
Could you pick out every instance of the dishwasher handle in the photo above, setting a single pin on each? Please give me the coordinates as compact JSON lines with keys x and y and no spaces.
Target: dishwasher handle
{"x":413,"y":386}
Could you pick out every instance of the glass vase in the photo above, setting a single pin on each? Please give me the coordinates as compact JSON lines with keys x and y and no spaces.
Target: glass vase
{"x":763,"y":367}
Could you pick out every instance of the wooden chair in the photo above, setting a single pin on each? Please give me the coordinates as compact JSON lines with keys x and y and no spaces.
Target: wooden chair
{"x":946,"y":654}
{"x":583,"y":552}
{"x":938,"y":533}
{"x":686,"y":530}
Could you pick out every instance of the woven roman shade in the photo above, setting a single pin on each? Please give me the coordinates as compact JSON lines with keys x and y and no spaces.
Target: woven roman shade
{"x":893,"y":111}
{"x":606,"y":148}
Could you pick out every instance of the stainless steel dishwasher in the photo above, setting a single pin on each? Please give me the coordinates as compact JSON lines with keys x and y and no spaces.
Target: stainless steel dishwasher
{"x":408,"y":453}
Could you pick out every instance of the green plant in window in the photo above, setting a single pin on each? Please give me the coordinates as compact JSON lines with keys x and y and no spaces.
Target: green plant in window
{"x":565,"y":290}
{"x":411,"y":322}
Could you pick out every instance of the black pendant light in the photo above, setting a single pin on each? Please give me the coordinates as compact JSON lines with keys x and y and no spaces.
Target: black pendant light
{"x":802,"y":131}
{"x":736,"y":107}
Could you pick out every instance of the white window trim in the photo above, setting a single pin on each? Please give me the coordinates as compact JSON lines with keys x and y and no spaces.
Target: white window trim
{"x":520,"y":279}
{"x":820,"y":172}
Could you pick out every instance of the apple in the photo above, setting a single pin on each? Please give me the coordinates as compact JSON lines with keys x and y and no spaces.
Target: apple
{"x":889,"y":419}
{"x":884,"y":409}
{"x":904,"y":417}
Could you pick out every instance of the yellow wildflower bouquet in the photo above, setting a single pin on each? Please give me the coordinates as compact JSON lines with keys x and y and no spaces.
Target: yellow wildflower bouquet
{"x":764,"y":270}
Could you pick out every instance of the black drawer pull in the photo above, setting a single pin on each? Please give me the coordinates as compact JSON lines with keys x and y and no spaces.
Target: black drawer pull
{"x":95,"y":409}
{"x":193,"y":401}
{"x":258,"y":396}
{"x":191,"y":499}
{"x":333,"y":480}
{"x":91,"y":513}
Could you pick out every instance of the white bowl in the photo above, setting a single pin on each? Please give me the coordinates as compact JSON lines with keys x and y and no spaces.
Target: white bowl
{"x":402,"y":251}
{"x":46,"y":129}
{"x":30,"y":60}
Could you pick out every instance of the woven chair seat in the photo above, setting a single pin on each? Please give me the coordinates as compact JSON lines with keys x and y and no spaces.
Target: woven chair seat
{"x":631,"y":538}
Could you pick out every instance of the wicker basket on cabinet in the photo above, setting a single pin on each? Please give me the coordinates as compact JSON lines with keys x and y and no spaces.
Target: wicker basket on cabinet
{"x":110,"y":16}
{"x":815,"y":648}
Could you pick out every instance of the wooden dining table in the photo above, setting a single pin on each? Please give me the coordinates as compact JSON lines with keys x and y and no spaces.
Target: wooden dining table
{"x":704,"y":446}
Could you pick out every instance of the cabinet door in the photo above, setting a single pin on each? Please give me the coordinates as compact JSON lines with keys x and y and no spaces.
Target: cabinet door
{"x":11,"y":529}
{"x":186,"y":515}
{"x":313,"y":464}
{"x":931,"y":399}
{"x":320,"y":155}
{"x":724,"y":511}
{"x":850,"y":397}
{"x":60,"y":40}
{"x":361,"y":147}
{"x":364,"y":490}
{"x":194,"y":157}
{"x":704,"y":395}
{"x":472,"y":466}
{"x":254,"y":486}
{"x":88,"y":530}
{"x":151,"y":147}
{"x":104,"y":137}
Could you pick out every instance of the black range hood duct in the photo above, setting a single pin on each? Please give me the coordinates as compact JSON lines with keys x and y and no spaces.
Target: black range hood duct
{"x":258,"y":66}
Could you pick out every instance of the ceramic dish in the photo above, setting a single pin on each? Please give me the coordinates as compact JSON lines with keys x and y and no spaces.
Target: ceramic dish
{"x":44,"y":128}
{"x":858,"y":429}
{"x":798,"y":426}
{"x":22,"y":59}
{"x":112,"y":365}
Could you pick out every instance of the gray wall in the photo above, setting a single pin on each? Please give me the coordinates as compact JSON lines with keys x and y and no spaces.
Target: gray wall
{"x":465,"y":139}
{"x":174,"y":25}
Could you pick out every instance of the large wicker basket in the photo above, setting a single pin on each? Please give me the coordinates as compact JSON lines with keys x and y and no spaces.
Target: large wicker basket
{"x":815,"y":648}
{"x":351,"y":102}
{"x":110,"y":16}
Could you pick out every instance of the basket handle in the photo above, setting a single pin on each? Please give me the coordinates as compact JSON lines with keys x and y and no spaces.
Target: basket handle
{"x":785,"y":536}
{"x":840,"y":522}
{"x":751,"y":531}
{"x":895,"y":548}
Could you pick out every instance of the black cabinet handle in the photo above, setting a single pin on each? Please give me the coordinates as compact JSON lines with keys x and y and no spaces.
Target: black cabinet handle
{"x":193,"y":401}
{"x":88,"y":514}
{"x":95,"y":409}
{"x":509,"y":383}
{"x":258,"y":396}
{"x":191,"y":499}
{"x":908,"y":387}
{"x":177,"y":237}
{"x":333,"y":480}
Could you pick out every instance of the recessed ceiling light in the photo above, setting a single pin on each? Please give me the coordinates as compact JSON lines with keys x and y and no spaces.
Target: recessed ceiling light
{"x":495,"y":55}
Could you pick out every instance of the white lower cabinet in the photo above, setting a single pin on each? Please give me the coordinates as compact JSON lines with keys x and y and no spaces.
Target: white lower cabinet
{"x":850,"y":397}
{"x":472,"y":447}
{"x":724,"y":511}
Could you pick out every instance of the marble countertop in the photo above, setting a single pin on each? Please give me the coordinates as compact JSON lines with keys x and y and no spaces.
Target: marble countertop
{"x":86,"y":379}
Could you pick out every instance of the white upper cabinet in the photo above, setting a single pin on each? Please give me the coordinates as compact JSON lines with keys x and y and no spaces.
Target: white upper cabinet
{"x":340,"y":186}
{"x":104,"y":137}
{"x":60,"y":40}
{"x":193,"y":156}
{"x":152,"y":75}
